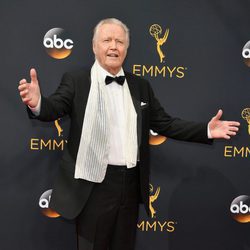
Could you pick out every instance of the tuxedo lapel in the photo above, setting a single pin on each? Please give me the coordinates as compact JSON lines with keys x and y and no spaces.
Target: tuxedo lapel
{"x":135,"y":94}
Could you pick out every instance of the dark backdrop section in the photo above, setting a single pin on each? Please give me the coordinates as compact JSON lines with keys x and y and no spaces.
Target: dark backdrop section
{"x":199,"y":202}
{"x":192,"y":185}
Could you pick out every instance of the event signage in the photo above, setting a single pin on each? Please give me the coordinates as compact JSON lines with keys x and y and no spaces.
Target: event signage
{"x":164,"y":69}
{"x":44,"y":205}
{"x":246,"y":53}
{"x":50,"y":143}
{"x":153,"y":224}
{"x":240,"y":209}
{"x":240,"y":151}
{"x":57,"y":43}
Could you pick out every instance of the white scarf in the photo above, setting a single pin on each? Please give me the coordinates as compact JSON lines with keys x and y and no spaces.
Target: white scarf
{"x":92,"y":157}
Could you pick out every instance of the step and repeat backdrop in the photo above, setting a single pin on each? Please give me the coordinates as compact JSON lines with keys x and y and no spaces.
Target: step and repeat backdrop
{"x":196,"y":55}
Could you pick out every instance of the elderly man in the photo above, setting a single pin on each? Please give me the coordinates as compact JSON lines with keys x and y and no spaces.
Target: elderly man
{"x":104,"y":172}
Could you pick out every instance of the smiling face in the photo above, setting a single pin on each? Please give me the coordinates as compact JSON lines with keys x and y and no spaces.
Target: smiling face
{"x":110,"y":47}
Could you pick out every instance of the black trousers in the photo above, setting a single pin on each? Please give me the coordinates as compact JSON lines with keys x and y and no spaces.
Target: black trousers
{"x":109,"y":219}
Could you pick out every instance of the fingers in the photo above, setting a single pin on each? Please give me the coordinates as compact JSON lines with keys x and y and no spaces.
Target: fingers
{"x":231,"y":133}
{"x":22,"y":81}
{"x":225,"y":135}
{"x":23,"y":86}
{"x":233,"y":123}
{"x":24,"y":91}
{"x":33,"y":75}
{"x":24,"y":94}
{"x":234,"y":129}
{"x":26,"y":100}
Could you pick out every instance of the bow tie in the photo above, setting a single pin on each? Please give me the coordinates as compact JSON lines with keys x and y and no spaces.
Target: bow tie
{"x":119,"y":79}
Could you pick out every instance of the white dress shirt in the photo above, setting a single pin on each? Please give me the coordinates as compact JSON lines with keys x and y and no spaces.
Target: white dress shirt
{"x":117,"y":123}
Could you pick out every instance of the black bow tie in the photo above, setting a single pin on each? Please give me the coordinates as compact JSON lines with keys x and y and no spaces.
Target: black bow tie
{"x":119,"y":79}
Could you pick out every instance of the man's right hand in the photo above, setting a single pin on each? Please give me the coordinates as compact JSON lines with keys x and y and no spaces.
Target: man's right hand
{"x":30,"y":92}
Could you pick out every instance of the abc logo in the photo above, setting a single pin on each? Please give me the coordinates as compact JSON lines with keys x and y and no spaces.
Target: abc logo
{"x":44,"y":205}
{"x":57,"y":43}
{"x":240,"y":209}
{"x":246,"y":53}
{"x":155,"y":139}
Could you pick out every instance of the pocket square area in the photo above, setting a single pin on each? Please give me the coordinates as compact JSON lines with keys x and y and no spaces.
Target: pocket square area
{"x":143,"y":104}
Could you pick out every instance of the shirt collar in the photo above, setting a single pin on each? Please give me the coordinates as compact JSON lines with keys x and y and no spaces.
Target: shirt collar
{"x":104,"y":73}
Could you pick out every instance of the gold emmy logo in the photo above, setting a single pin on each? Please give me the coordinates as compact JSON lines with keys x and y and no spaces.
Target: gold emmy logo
{"x":50,"y":143}
{"x":155,"y":30}
{"x":245,"y":114}
{"x":153,"y":224}
{"x":59,"y":128}
{"x":153,"y":198}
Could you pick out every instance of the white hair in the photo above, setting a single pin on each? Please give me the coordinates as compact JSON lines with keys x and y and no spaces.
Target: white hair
{"x":112,"y":21}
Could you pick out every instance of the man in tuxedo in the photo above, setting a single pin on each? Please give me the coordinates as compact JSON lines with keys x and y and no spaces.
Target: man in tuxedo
{"x":104,"y":171}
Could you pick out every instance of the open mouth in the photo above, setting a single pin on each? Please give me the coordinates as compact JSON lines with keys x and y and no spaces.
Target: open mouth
{"x":112,"y":55}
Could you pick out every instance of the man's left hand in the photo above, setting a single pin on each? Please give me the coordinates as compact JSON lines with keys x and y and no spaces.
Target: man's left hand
{"x":222,"y":129}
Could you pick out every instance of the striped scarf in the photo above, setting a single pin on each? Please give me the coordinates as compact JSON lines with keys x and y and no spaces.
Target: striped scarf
{"x":92,"y":157}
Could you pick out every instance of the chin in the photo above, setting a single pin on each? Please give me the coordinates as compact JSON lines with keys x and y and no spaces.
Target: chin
{"x":113,"y":68}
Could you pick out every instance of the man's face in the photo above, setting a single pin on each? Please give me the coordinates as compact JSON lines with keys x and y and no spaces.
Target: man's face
{"x":110,"y":47}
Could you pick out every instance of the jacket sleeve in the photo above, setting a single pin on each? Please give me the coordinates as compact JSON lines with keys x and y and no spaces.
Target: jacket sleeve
{"x":175,"y":128}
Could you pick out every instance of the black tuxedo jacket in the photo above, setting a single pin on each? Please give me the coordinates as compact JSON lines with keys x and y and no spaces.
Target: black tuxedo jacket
{"x":69,"y":194}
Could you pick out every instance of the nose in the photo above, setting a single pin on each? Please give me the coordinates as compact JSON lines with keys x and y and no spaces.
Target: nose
{"x":113,"y":44}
